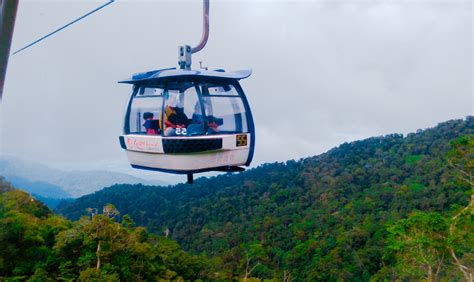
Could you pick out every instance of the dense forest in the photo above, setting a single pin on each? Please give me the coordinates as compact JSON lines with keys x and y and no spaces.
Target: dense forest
{"x":385,"y":208}
{"x":36,"y":245}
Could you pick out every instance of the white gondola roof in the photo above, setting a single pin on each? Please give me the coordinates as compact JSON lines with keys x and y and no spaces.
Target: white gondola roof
{"x":163,"y":74}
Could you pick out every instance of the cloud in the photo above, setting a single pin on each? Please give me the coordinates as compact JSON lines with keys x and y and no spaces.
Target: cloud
{"x":324,"y":72}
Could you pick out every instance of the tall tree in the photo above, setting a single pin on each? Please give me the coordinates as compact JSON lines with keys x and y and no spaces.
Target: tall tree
{"x":461,"y":229}
{"x":419,"y":245}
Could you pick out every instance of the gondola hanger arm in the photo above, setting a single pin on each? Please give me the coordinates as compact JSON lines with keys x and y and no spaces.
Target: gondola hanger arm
{"x":205,"y":31}
{"x":186,"y":51}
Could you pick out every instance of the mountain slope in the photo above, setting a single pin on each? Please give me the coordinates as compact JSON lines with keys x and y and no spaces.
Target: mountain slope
{"x":36,"y":245}
{"x":319,"y":218}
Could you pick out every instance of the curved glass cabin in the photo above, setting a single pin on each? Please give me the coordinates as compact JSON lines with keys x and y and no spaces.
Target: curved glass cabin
{"x":188,"y":121}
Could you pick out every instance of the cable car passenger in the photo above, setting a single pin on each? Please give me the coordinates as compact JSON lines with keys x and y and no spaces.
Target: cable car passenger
{"x":197,"y":122}
{"x":176,"y":121}
{"x":151,"y":125}
{"x":213,"y":123}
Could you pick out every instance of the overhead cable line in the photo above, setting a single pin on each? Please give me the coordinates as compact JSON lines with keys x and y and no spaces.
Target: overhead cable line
{"x":65,"y":26}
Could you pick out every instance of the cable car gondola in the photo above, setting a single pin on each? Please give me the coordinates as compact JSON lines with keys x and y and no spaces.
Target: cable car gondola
{"x":188,"y":121}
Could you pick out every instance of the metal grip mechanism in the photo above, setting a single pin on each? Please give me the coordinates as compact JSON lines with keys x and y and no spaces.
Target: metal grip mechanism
{"x":185,"y":57}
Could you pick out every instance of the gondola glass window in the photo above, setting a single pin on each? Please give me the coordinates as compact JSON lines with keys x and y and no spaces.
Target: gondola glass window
{"x":224,"y":109}
{"x":145,"y":111}
{"x":191,"y":109}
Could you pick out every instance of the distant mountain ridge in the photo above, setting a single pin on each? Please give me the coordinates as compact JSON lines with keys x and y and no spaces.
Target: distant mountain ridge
{"x":39,"y":188}
{"x":322,"y":218}
{"x":47,"y":193}
{"x":52,"y":183}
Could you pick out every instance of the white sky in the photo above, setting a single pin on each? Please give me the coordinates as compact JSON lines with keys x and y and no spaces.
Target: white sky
{"x":325,"y":72}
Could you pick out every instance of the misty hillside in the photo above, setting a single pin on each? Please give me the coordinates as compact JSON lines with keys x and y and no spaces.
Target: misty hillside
{"x":47,"y":193}
{"x":47,"y":182}
{"x":39,"y":188}
{"x":319,"y":218}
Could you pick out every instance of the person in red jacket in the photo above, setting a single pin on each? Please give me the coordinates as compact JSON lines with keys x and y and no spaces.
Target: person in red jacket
{"x":151,"y":125}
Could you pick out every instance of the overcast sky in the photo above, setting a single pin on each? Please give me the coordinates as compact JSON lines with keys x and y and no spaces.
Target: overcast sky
{"x":324,"y":72}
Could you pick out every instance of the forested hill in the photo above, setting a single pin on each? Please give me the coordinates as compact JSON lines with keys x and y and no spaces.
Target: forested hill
{"x":36,"y":245}
{"x":319,"y":218}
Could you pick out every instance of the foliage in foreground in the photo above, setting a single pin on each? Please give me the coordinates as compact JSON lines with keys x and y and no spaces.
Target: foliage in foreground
{"x":40,"y":246}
